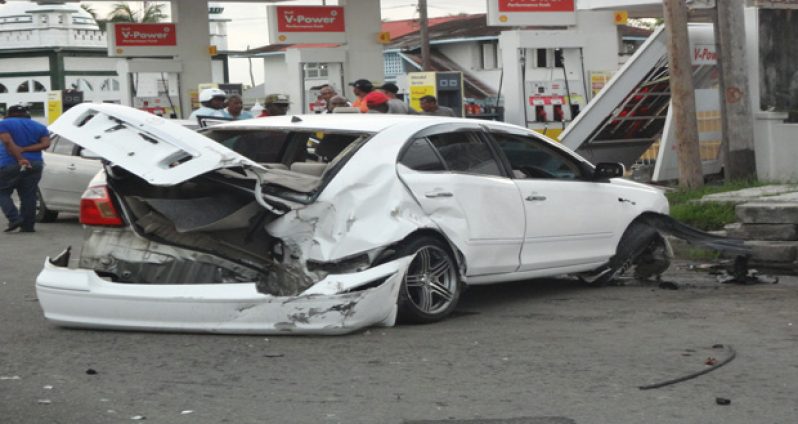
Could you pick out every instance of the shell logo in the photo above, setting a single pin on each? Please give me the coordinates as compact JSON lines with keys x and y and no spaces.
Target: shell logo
{"x":282,"y":38}
{"x":502,"y":18}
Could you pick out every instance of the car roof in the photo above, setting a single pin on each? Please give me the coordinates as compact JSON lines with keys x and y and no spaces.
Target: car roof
{"x":369,"y":122}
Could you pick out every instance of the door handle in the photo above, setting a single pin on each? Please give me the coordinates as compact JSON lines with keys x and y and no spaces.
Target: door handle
{"x":535,"y":198}
{"x":437,"y":194}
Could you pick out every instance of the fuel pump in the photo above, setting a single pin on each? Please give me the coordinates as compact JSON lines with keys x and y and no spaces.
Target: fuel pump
{"x":554,"y":87}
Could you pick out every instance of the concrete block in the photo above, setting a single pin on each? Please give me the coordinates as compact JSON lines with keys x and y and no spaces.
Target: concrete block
{"x":767,"y":213}
{"x":773,"y":251}
{"x":768,"y":232}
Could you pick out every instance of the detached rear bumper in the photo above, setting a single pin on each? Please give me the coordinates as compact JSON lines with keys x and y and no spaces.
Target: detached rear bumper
{"x":335,"y":305}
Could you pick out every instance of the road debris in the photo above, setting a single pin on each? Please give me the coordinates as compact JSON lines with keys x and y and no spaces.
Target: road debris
{"x":91,"y":371}
{"x":44,"y":401}
{"x":138,"y":418}
{"x":273,"y":355}
{"x":48,"y":387}
{"x":667,"y":285}
{"x":730,"y":355}
{"x":722,"y":401}
{"x":187,"y":411}
{"x":10,"y":377}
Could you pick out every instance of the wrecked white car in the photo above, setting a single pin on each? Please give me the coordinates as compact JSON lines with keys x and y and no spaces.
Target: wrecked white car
{"x":329,"y":223}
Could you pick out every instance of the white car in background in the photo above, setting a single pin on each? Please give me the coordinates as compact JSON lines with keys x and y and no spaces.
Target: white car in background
{"x":329,"y":223}
{"x":64,"y":179}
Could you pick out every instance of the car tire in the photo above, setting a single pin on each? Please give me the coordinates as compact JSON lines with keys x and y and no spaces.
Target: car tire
{"x":431,"y":287}
{"x":42,"y":213}
{"x":639,"y":243}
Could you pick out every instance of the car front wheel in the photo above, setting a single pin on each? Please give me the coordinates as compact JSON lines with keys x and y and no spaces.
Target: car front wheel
{"x":431,"y":288}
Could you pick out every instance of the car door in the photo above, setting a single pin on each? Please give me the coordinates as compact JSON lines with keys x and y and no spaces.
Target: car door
{"x":66,"y":175}
{"x":456,"y":178}
{"x":570,"y":219}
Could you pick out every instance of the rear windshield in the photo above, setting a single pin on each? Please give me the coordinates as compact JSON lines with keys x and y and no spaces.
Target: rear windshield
{"x":276,"y":147}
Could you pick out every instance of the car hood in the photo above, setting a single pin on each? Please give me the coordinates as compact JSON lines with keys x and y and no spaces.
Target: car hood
{"x":161,"y":152}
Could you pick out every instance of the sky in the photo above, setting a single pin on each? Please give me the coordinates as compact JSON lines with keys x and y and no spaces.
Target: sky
{"x":248,"y":26}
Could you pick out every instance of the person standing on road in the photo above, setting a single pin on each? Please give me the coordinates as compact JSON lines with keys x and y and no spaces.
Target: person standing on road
{"x":212,"y":101}
{"x":327,"y":93}
{"x":235,"y":108}
{"x":377,"y":102}
{"x":275,"y":105}
{"x":429,"y":105}
{"x":395,"y":105}
{"x":361,"y":88}
{"x":21,"y":164}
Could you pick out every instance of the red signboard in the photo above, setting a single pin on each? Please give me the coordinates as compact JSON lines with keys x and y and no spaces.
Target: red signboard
{"x":130,"y":35}
{"x":310,"y":19}
{"x":536,"y":6}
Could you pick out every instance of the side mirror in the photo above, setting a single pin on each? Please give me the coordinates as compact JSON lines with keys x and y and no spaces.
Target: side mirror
{"x":607,"y":170}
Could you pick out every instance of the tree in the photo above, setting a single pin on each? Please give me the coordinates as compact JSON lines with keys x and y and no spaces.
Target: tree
{"x":149,"y":13}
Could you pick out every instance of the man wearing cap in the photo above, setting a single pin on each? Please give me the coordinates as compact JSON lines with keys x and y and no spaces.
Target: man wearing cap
{"x":275,"y":105}
{"x":361,"y":88}
{"x":395,"y":105}
{"x":21,"y":164}
{"x":212,"y":101}
{"x":377,"y":102}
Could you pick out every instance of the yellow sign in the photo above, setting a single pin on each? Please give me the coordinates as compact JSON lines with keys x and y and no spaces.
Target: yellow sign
{"x":621,"y":17}
{"x":384,"y":37}
{"x":212,"y":50}
{"x":598,"y":79}
{"x":421,"y":84}
{"x":54,"y":106}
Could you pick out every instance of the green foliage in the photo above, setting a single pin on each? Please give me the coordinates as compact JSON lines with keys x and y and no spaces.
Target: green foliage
{"x":707,"y":216}
{"x":123,"y":12}
{"x":704,"y":216}
{"x":683,"y":196}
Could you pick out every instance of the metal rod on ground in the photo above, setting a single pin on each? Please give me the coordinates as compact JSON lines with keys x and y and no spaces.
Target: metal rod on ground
{"x":424,"y":31}
{"x":683,"y":94}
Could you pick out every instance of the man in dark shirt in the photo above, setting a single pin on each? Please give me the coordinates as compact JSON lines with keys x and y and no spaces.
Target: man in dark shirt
{"x":21,"y":164}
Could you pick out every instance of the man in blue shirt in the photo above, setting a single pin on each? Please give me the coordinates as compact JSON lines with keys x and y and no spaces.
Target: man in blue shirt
{"x":21,"y":164}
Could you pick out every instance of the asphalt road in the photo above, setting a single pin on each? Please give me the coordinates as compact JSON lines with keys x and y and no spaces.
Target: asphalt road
{"x":536,"y":352}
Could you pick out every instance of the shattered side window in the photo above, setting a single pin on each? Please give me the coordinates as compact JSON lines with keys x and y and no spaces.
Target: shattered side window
{"x":466,"y":152}
{"x":420,"y":156}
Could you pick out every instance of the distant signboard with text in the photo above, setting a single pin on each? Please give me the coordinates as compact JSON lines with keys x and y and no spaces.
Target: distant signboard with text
{"x":531,"y":12}
{"x":135,"y":39}
{"x":306,"y":24}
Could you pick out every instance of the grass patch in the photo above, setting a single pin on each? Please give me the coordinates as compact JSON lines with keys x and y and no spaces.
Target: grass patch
{"x":704,"y":216}
{"x":684,"y":196}
{"x":707,"y":216}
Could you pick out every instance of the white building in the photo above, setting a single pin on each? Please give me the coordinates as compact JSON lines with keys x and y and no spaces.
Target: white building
{"x":47,"y":47}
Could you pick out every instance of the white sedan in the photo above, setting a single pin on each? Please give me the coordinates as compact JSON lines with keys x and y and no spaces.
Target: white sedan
{"x":329,"y":223}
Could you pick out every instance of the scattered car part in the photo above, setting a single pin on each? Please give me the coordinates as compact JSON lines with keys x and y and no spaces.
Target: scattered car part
{"x":730,"y":355}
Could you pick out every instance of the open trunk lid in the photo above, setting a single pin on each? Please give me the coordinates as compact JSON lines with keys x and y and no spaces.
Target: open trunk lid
{"x":161,"y":152}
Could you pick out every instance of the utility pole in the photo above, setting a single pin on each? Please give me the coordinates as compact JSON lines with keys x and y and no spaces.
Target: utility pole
{"x":424,"y":31}
{"x":691,"y":174}
{"x":735,"y":105}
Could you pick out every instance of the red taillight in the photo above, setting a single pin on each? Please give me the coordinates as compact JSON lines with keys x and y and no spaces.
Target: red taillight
{"x":96,"y":208}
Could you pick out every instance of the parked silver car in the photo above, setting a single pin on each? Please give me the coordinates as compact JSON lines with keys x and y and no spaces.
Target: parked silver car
{"x":65,"y":177}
